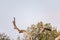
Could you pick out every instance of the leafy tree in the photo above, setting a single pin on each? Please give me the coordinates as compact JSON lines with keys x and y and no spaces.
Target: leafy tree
{"x":40,"y":31}
{"x":46,"y":34}
{"x":3,"y":36}
{"x":18,"y":38}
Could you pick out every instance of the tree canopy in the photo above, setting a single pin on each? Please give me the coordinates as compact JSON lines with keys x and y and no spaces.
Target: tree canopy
{"x":34,"y":30}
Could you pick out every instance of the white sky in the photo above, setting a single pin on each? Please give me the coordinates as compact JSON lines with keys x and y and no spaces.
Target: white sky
{"x":28,"y":12}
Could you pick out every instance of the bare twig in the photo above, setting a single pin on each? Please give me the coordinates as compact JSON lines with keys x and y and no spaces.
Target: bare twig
{"x":15,"y":27}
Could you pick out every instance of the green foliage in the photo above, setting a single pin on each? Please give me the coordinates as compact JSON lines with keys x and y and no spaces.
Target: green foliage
{"x":18,"y":38}
{"x":3,"y":36}
{"x":46,"y":35}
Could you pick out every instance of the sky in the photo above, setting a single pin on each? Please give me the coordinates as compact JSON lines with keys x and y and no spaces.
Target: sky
{"x":28,"y":12}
